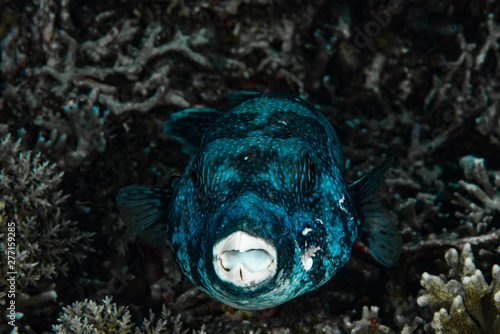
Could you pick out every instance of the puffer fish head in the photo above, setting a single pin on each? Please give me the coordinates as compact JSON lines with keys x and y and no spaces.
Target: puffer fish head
{"x":269,"y":208}
{"x":262,"y":212}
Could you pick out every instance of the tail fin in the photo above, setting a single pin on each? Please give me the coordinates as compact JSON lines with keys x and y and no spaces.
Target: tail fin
{"x":376,"y":231}
{"x":144,"y":209}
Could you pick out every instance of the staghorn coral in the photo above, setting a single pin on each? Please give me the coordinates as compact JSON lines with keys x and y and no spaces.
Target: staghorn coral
{"x":107,"y":317}
{"x":45,"y":240}
{"x":109,"y":57}
{"x":464,"y":301}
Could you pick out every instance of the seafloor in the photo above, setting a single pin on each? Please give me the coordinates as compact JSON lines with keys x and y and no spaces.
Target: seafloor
{"x":86,"y":86}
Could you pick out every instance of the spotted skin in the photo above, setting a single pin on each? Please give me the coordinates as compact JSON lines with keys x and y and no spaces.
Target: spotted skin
{"x":271,"y":167}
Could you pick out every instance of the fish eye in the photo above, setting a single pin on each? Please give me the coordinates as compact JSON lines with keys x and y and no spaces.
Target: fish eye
{"x":173,"y":178}
{"x":194,"y":175}
{"x":309,"y":171}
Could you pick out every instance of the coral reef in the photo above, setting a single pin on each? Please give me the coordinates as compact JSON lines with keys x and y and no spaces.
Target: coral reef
{"x":86,"y":86}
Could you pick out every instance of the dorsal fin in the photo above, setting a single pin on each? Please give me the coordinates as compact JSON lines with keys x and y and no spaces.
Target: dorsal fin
{"x":242,"y":96}
{"x":189,"y":125}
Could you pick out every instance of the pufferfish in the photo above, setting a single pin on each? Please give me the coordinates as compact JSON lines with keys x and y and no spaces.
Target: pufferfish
{"x":262,"y":213}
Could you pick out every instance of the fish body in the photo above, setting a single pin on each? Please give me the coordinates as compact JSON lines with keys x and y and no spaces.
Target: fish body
{"x":262,"y":213}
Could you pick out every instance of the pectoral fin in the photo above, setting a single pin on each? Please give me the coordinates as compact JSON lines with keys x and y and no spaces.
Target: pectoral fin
{"x":144,"y":210}
{"x":376,"y":231}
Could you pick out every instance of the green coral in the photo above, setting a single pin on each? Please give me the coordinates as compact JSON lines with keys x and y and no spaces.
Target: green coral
{"x":107,"y":317}
{"x":466,"y":303}
{"x":44,"y":241}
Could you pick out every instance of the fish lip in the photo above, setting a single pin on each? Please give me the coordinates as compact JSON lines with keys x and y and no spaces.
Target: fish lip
{"x":244,"y":260}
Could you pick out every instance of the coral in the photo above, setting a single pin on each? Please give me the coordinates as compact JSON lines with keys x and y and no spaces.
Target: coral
{"x":45,"y":240}
{"x":417,"y":205}
{"x":480,"y":201}
{"x":276,"y":62}
{"x":86,"y":126}
{"x":488,"y":123}
{"x":148,"y":80}
{"x":368,"y":323}
{"x":107,"y":317}
{"x":464,"y":300}
{"x":491,"y":42}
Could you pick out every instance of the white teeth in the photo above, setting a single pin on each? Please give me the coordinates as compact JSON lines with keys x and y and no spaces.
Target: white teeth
{"x":253,"y":260}
{"x":241,"y":241}
{"x":244,"y":260}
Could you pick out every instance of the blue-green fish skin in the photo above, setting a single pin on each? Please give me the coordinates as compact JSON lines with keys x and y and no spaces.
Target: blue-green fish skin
{"x":262,"y":213}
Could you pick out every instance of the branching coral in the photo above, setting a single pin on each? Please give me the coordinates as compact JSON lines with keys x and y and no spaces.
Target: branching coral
{"x":107,"y":317}
{"x":481,"y":201}
{"x":465,"y":302}
{"x":45,"y":241}
{"x":269,"y":51}
{"x":84,"y":125}
{"x":491,"y":43}
{"x":418,"y":207}
{"x":147,"y":80}
{"x":368,"y":323}
{"x":488,"y":123}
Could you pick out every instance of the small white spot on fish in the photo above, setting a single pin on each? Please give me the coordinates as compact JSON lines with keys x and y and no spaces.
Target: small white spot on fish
{"x":306,"y":231}
{"x":342,"y":207}
{"x":272,"y":195}
{"x":307,"y":257}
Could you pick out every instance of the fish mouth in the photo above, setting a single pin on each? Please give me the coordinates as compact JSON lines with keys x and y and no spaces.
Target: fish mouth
{"x":244,"y":260}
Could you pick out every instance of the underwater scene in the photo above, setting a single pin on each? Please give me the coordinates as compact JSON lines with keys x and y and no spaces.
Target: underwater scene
{"x":250,"y":166}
